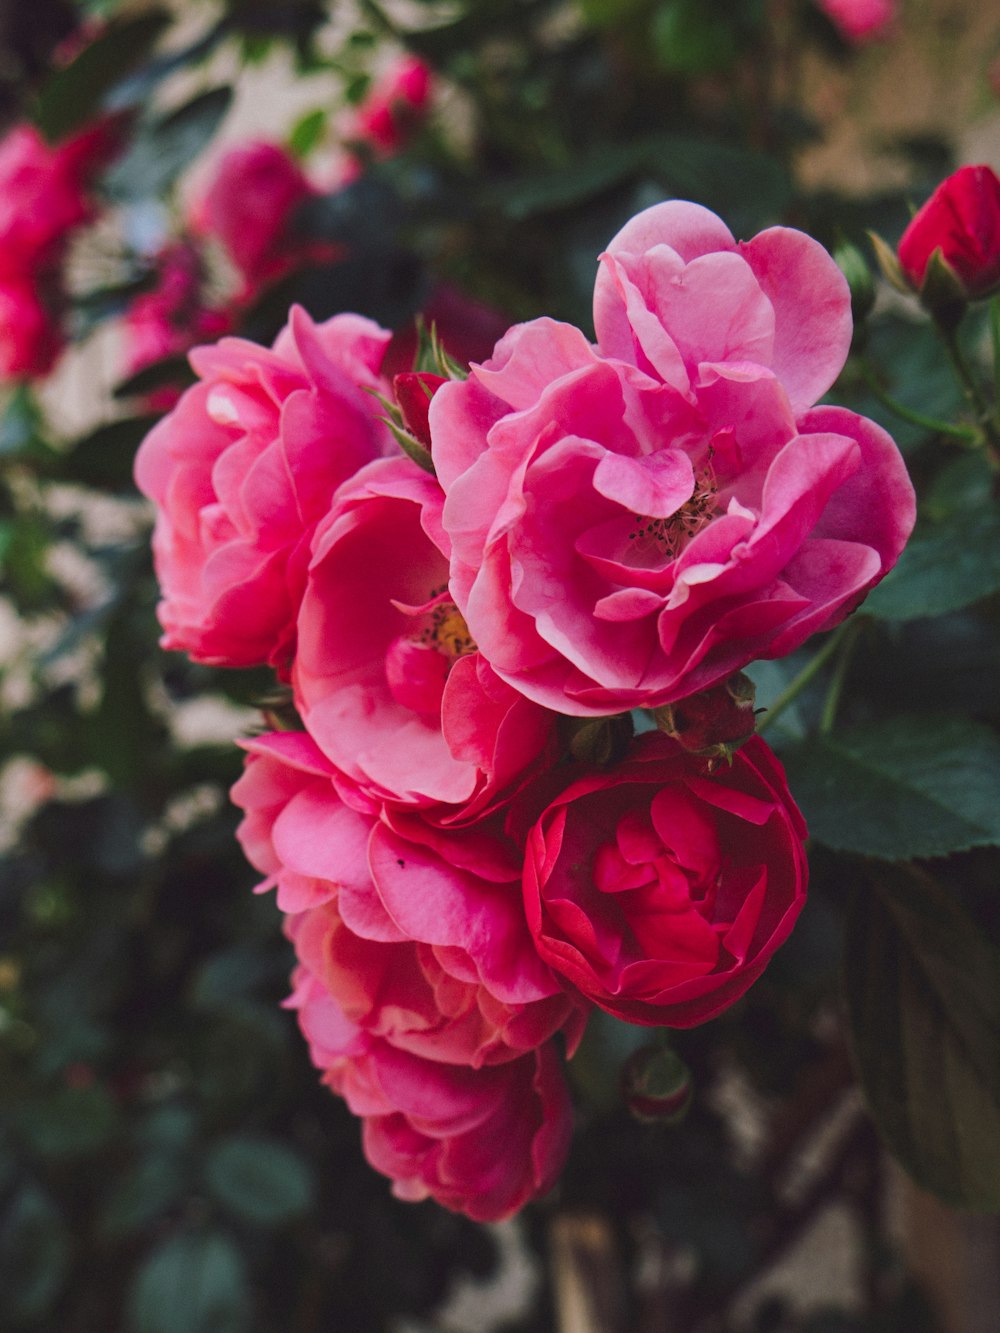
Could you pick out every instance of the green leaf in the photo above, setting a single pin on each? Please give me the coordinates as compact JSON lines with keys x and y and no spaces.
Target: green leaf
{"x":195,"y":1282}
{"x":258,"y":1180}
{"x":34,"y":1257}
{"x":912,"y":368}
{"x":74,"y":94}
{"x":909,"y":787}
{"x":70,"y":1122}
{"x":172,"y":371}
{"x":307,"y":132}
{"x":19,"y":426}
{"x":944,"y":567}
{"x":686,"y":166}
{"x":924,"y":1007}
{"x":104,"y":459}
{"x":161,"y":151}
{"x":141,"y":1195}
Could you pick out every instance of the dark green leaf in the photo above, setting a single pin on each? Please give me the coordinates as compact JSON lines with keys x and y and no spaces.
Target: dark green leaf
{"x":34,"y":1255}
{"x":105,"y":458}
{"x":945,"y":567}
{"x":161,"y":151}
{"x":173,"y":371}
{"x":20,"y":423}
{"x":70,"y":1122}
{"x":259,"y":1180}
{"x":193,"y":1283}
{"x":686,"y":167}
{"x":925,"y":1015}
{"x":910,"y":365}
{"x":142,"y":1195}
{"x":74,"y":94}
{"x":910,"y":787}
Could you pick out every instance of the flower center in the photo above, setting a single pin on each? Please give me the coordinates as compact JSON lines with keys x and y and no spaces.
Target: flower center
{"x":671,"y":535}
{"x":447,"y":631}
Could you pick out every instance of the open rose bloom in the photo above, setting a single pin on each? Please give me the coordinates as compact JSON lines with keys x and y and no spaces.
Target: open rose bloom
{"x":633,"y":522}
{"x":599,"y":527}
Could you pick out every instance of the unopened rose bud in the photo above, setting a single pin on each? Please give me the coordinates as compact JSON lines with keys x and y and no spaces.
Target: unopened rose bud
{"x":414,"y":391}
{"x":950,"y":252}
{"x":715,"y":722}
{"x":657,"y":1085}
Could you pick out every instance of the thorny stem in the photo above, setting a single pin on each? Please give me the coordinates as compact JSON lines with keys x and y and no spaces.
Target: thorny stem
{"x":812,"y":669}
{"x":965,"y":433}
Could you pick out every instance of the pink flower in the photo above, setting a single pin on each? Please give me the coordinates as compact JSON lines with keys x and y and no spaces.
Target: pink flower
{"x":172,"y":317}
{"x":483,"y":1142}
{"x":660,"y":892}
{"x":41,"y":199}
{"x":30,"y":336}
{"x":248,"y":206}
{"x":417,"y":933}
{"x":961,"y":220}
{"x":394,"y":107}
{"x":859,"y":20}
{"x":386,"y":678}
{"x":632,"y":523}
{"x":242,"y":470}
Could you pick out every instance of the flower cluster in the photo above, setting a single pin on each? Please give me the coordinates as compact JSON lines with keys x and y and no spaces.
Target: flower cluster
{"x":470,"y":846}
{"x":42,"y":201}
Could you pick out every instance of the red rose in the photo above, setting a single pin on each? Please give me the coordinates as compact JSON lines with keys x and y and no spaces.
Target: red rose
{"x":961,"y":219}
{"x":662,"y":893}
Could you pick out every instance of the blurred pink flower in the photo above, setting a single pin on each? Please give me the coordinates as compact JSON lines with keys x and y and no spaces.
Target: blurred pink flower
{"x":394,"y":107}
{"x":860,"y":20}
{"x":248,"y":205}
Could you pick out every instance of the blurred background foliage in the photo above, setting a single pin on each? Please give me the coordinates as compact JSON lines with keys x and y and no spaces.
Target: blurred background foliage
{"x":168,"y":1163}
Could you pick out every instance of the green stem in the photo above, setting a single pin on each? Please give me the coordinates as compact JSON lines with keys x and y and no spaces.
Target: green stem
{"x":985,"y":412}
{"x":995,"y":337}
{"x":965,"y":433}
{"x":832,"y":700}
{"x":812,"y":669}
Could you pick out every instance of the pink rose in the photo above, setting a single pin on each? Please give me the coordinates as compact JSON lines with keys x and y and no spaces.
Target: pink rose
{"x":483,"y":1142}
{"x":394,"y":107}
{"x":417,"y":933}
{"x":632,"y":523}
{"x":242,"y":470}
{"x":859,"y":20}
{"x":386,"y":678}
{"x":172,"y":317}
{"x":961,"y":220}
{"x":41,"y":198}
{"x":30,"y":336}
{"x":661,"y":892}
{"x":248,"y":206}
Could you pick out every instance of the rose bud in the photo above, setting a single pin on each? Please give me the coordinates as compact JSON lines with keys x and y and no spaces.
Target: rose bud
{"x":414,"y":391}
{"x":960,"y":226}
{"x":715,"y":722}
{"x":656,"y":1085}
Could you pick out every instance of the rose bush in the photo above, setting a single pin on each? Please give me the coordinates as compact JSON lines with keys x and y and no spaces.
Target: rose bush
{"x":242,"y":470}
{"x":480,"y":1141}
{"x":417,"y":934}
{"x":386,"y":678}
{"x":661,"y":892}
{"x":634,"y":522}
{"x":961,"y":220}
